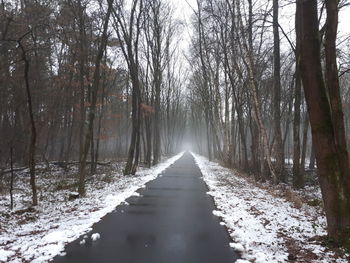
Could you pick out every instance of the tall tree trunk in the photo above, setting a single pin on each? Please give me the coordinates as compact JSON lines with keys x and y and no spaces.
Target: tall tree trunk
{"x":82,"y":57}
{"x":297,"y":175}
{"x":279,"y":153}
{"x":131,"y":164}
{"x":92,"y":152}
{"x":334,"y":181}
{"x":92,"y":109}
{"x":70,"y":135}
{"x":208,"y":137}
{"x":242,"y":135}
{"x":332,"y":83}
{"x":227,"y":141}
{"x":232,"y":135}
{"x":12,"y":177}
{"x":255,"y":144}
{"x":99,"y":125}
{"x":138,"y":148}
{"x":297,"y":179}
{"x":157,"y":77}
{"x":157,"y":84}
{"x":148,"y":144}
{"x":156,"y":137}
{"x":32,"y":146}
{"x":303,"y":151}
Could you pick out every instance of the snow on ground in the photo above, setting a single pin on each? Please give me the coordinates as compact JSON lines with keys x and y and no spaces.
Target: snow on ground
{"x":95,"y":236}
{"x":37,"y":235}
{"x":264,"y":227}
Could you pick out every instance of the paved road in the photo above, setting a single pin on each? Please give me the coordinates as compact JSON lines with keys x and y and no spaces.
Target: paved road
{"x":171,"y":222}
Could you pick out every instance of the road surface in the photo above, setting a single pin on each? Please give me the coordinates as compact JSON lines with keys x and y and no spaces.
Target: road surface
{"x":170,"y":222}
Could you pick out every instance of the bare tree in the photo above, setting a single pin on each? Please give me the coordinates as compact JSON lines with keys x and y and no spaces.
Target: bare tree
{"x":128,"y":30}
{"x":93,"y":99}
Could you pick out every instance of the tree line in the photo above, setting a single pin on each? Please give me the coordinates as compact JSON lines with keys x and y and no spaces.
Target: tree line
{"x":256,"y":89}
{"x":83,"y":81}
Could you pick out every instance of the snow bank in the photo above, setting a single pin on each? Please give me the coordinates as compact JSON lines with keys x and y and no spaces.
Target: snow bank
{"x":265,"y":228}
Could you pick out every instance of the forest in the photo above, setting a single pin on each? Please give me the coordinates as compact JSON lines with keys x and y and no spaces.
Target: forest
{"x":261,"y":87}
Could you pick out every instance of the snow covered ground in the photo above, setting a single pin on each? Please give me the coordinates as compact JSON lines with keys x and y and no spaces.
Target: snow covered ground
{"x":266,"y":228}
{"x":37,"y":235}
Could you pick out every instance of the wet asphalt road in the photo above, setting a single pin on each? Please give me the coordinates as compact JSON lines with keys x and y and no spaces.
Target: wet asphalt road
{"x":171,"y":222}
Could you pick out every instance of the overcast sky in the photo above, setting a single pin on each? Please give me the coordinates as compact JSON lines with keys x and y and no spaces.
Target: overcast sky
{"x":184,"y":12}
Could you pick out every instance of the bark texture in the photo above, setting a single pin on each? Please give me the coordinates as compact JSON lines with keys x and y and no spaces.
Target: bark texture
{"x":334,"y":181}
